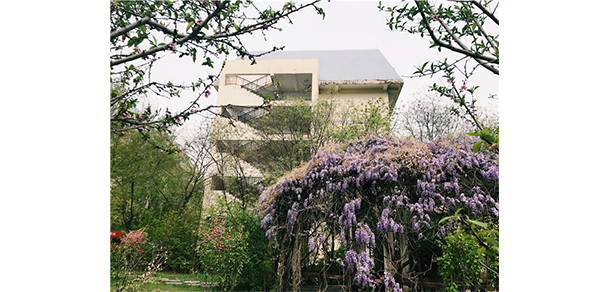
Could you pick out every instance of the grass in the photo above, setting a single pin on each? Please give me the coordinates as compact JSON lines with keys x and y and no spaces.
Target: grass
{"x":179,"y":276}
{"x":160,"y":286}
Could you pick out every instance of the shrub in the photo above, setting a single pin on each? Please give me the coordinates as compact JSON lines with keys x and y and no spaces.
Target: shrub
{"x":132,"y":256}
{"x":469,"y":254}
{"x":257,"y":273}
{"x":221,"y":251}
{"x":177,"y":233}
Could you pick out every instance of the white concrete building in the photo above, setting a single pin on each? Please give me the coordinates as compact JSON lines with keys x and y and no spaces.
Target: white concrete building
{"x":351,"y":78}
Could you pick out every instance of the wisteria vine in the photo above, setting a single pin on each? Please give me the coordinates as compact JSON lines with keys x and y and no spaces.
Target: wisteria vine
{"x":364,"y":193}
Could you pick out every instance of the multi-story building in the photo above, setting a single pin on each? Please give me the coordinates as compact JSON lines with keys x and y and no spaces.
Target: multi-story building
{"x":350,"y":78}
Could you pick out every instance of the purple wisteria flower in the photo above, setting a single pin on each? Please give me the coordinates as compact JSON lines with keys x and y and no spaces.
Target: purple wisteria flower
{"x":292,"y":213}
{"x":364,"y":235}
{"x":363,"y":266}
{"x":349,"y":213}
{"x":312,"y":244}
{"x":390,"y":283}
{"x":386,"y":223}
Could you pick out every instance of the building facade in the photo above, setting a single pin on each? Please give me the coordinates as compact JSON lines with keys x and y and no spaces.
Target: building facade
{"x":286,"y":80}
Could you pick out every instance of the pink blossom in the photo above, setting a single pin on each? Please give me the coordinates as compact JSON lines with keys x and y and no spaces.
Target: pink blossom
{"x":200,"y":21}
{"x":435,"y":17}
{"x":207,"y":93}
{"x":172,"y":46}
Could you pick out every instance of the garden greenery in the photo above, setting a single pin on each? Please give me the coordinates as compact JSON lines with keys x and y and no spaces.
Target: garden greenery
{"x":383,"y":200}
{"x":134,"y":260}
{"x":233,"y":250}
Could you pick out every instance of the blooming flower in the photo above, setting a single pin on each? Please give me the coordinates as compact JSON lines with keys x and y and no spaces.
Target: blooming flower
{"x":312,"y":244}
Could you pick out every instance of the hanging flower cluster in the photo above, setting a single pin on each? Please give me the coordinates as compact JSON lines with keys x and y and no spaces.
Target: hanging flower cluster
{"x":399,"y":186}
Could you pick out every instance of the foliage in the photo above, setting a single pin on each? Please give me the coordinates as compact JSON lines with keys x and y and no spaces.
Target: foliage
{"x":461,"y":28}
{"x":126,"y":261}
{"x":144,"y":32}
{"x":137,"y":173}
{"x":352,"y":122}
{"x":221,"y":251}
{"x":257,"y":273}
{"x":160,"y":191}
{"x":401,"y":187}
{"x":469,"y":253}
{"x":175,"y":233}
{"x":233,"y":249}
{"x":286,"y":138}
{"x":459,"y":263}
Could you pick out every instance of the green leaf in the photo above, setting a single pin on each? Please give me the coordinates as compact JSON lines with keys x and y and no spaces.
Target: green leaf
{"x":477,"y":146}
{"x":189,"y":25}
{"x":478,"y":223}
{"x":445,"y":219}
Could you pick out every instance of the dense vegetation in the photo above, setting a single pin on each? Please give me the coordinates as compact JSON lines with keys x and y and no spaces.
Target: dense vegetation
{"x":384,"y":201}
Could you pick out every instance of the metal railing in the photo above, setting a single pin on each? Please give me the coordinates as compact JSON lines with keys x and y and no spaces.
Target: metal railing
{"x":244,"y":114}
{"x":258,"y":86}
{"x":264,"y":87}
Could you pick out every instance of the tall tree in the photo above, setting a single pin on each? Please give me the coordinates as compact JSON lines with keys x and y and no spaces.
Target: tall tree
{"x":143,"y":32}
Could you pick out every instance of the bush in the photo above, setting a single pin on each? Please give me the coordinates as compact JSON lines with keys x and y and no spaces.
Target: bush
{"x":177,"y":233}
{"x":133,"y":261}
{"x":222,"y":251}
{"x":234,"y":251}
{"x":257,"y":273}
{"x":469,"y":255}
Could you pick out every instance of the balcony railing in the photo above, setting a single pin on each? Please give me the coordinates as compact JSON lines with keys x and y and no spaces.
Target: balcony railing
{"x":244,"y":114}
{"x":265,"y":88}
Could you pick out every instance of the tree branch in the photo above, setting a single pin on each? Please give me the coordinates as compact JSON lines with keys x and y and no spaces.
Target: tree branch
{"x":196,"y":29}
{"x":489,"y":14}
{"x":462,"y":50}
{"x":126,"y":29}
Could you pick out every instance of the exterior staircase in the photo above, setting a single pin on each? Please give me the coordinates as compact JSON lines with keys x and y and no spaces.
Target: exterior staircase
{"x":247,"y":114}
{"x":260,"y":86}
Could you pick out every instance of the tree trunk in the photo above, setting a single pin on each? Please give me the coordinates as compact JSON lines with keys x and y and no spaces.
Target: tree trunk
{"x":296,"y":260}
{"x":387,"y":254}
{"x":404,"y":258}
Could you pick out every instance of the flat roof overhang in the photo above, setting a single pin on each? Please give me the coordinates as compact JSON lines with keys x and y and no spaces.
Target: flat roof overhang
{"x":392,"y":86}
